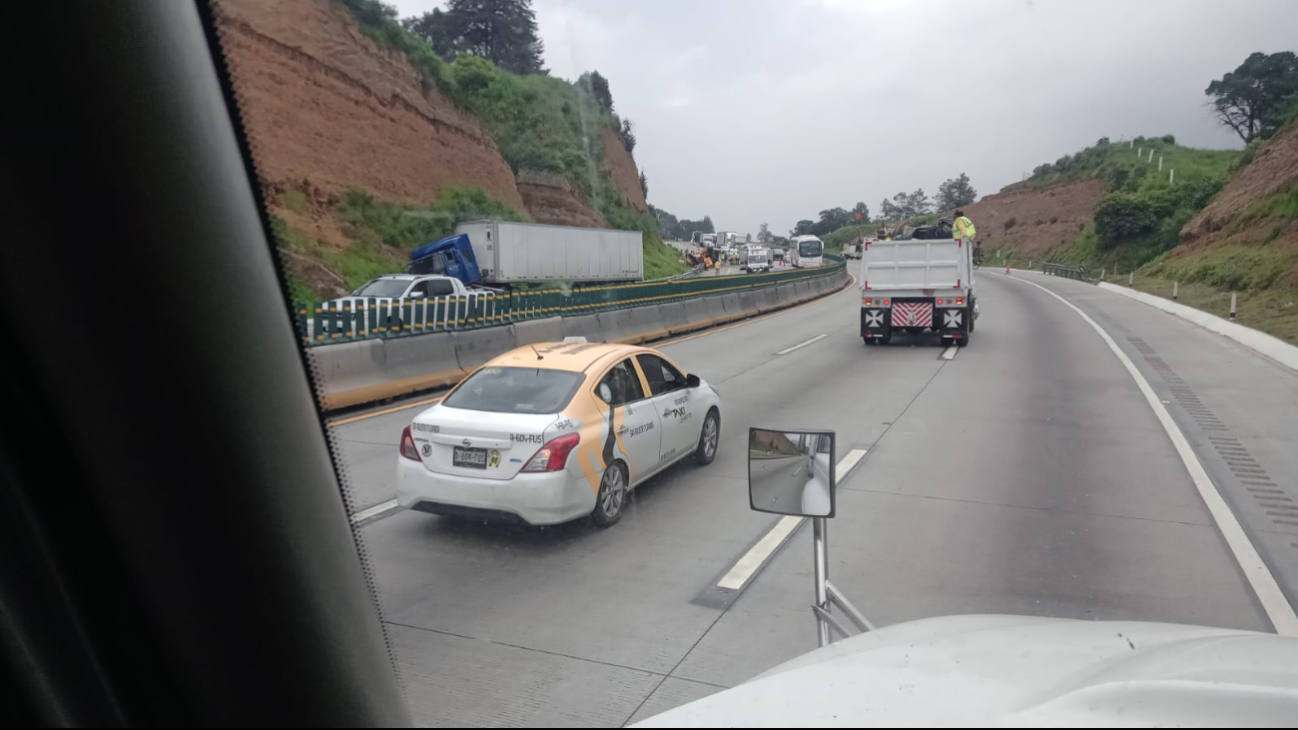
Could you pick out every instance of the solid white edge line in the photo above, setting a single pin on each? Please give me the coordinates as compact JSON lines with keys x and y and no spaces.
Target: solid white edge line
{"x":950,"y":353}
{"x":380,"y":508}
{"x":813,"y":340}
{"x":1259,"y":577}
{"x":743,"y":569}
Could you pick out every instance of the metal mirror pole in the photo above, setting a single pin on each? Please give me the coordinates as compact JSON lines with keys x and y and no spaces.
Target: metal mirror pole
{"x":820,"y":543}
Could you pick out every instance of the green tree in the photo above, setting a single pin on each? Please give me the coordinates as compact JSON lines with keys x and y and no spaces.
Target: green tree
{"x":1251,"y":96}
{"x":668,"y":226}
{"x":831,"y":220}
{"x":889,"y":210}
{"x":644,"y":184}
{"x":627,"y":135}
{"x":595,"y":84}
{"x":955,"y":193}
{"x":804,"y":227}
{"x":502,"y":31}
{"x":917,"y":203}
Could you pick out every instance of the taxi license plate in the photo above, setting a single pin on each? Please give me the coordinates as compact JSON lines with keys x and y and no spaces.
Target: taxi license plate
{"x":475,"y":458}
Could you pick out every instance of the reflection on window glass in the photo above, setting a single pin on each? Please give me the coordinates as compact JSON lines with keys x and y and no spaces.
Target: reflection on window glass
{"x":383,"y":288}
{"x":515,"y":390}
{"x":621,"y":385}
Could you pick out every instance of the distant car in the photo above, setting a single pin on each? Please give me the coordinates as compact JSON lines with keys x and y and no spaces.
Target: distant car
{"x":553,"y":432}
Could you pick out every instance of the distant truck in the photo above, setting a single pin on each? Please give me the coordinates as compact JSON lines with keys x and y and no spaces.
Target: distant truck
{"x":754,"y":258}
{"x":854,"y":249}
{"x":505,"y":254}
{"x":918,"y":285}
{"x":730,"y":239}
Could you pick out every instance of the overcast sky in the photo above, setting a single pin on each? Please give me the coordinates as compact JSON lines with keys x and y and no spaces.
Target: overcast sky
{"x":759,"y":111}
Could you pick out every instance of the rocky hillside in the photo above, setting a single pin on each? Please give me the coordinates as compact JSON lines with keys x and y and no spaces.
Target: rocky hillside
{"x":328,"y":111}
{"x":1244,"y":241}
{"x":1240,"y":214}
{"x":1031,"y":221}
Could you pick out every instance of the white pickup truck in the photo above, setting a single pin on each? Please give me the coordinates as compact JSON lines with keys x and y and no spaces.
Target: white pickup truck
{"x":918,"y":285}
{"x":401,"y":287}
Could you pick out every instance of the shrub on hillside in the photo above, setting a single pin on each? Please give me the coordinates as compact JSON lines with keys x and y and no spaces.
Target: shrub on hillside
{"x":1010,"y":223}
{"x":1169,"y":139}
{"x":1123,"y":215}
{"x":378,"y":21}
{"x":404,"y":227}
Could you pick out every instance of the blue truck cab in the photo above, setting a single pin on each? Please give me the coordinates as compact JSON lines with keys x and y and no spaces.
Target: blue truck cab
{"x":450,"y":256}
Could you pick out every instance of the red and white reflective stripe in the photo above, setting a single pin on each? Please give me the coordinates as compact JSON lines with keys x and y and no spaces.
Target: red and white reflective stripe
{"x":912,"y":314}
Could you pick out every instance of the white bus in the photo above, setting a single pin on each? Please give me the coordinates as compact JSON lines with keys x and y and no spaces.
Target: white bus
{"x":806,"y":252}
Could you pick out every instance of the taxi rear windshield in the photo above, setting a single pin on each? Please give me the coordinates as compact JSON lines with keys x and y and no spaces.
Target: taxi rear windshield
{"x":516,"y":390}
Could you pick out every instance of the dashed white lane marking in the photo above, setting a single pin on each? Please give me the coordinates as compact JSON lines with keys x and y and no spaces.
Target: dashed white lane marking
{"x":375,"y":511}
{"x":801,"y":345}
{"x":757,"y":555}
{"x":1259,"y":576}
{"x":950,"y":353}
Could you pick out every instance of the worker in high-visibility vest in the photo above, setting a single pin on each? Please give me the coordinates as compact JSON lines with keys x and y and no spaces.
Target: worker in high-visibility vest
{"x":962,"y":227}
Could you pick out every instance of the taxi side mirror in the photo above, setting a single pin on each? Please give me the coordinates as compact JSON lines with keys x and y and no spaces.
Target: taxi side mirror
{"x":693,"y":381}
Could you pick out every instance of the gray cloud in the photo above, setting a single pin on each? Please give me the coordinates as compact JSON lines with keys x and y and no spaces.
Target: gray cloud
{"x":770,"y":110}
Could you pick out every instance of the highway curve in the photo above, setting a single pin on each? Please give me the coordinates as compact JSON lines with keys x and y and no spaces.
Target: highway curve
{"x":1028,"y":474}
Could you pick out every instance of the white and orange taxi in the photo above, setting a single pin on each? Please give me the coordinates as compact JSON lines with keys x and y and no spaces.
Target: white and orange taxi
{"x":552,"y":432}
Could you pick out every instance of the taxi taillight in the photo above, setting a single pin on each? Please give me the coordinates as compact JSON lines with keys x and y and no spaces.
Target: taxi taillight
{"x":554,"y":455}
{"x":408,"y":448}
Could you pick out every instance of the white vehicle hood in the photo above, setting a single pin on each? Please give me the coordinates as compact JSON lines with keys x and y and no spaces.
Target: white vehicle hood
{"x":1018,"y":671}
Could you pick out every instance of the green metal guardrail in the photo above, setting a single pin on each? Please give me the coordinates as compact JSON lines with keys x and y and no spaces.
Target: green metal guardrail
{"x":1065,"y":270}
{"x":328,"y":323}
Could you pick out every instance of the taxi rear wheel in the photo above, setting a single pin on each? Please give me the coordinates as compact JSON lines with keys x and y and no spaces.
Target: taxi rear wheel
{"x":611,"y":497}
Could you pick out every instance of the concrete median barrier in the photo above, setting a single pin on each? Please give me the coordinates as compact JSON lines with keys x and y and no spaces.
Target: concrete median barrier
{"x":734,"y":308}
{"x":357,"y":373}
{"x":768,"y":300}
{"x":646,"y":323}
{"x":410,"y":364}
{"x":473,"y":348}
{"x":704,"y":313}
{"x":615,"y":326}
{"x":347,"y":366}
{"x":675,"y":317}
{"x":531,"y":331}
{"x":586,"y":325}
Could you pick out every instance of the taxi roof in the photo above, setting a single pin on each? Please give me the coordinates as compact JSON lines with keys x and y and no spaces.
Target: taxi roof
{"x":571,"y":356}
